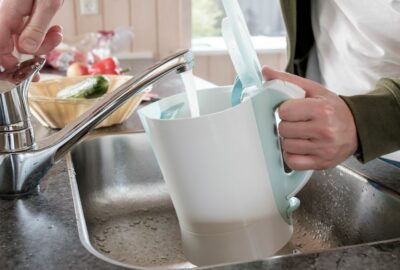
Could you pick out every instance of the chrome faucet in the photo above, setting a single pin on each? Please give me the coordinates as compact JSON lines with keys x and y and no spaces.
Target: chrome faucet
{"x":23,"y":162}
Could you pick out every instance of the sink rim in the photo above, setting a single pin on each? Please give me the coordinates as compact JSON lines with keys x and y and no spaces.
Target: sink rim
{"x":86,"y":242}
{"x":81,"y":220}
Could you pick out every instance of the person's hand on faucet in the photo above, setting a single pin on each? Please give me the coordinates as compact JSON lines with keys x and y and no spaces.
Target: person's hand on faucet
{"x":318,"y":132}
{"x":24,"y":26}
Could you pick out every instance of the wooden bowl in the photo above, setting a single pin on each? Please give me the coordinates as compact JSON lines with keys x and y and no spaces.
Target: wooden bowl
{"x":56,"y":113}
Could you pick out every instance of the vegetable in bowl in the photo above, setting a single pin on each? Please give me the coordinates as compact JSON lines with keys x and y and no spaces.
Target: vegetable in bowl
{"x":92,"y":87}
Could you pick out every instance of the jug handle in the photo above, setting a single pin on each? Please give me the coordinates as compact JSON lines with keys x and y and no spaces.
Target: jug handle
{"x":295,"y":180}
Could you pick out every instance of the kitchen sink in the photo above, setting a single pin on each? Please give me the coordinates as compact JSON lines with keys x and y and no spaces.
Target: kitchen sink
{"x":125,"y":215}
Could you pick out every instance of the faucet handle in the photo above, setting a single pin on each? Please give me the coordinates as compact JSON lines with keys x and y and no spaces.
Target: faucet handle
{"x":20,"y":73}
{"x":16,"y":132}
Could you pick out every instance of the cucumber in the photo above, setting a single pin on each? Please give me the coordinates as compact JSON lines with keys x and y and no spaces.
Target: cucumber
{"x":91,"y":87}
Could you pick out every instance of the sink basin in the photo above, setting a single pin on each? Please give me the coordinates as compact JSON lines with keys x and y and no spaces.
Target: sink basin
{"x":126,"y":217}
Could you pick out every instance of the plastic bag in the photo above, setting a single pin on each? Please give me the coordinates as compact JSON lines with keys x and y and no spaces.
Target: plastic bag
{"x":90,"y":48}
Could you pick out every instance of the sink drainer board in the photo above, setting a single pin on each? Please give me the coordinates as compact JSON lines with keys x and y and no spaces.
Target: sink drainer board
{"x":126,"y":217}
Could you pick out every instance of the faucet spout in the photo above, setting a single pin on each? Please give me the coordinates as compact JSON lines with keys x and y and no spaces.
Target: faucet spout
{"x":20,"y":172}
{"x":73,"y":133}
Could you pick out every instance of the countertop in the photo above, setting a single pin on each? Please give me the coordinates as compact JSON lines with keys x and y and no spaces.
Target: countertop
{"x":40,"y":231}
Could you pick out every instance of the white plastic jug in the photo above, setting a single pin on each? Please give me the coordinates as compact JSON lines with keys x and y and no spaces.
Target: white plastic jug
{"x":225,"y":173}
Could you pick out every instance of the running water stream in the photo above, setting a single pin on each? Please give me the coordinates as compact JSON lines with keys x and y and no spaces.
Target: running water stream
{"x":190,"y":88}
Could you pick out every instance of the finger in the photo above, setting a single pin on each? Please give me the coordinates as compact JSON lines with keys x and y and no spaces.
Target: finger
{"x":35,"y":30}
{"x":311,"y":88}
{"x":299,"y":130}
{"x":5,"y":35}
{"x":8,"y":61}
{"x":295,"y":110}
{"x":12,"y":14}
{"x":302,"y":162}
{"x":298,"y":147}
{"x":7,"y":47}
{"x":52,"y":39}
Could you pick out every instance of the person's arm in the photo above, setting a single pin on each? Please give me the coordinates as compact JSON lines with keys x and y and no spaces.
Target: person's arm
{"x":24,"y":26}
{"x":377,"y":117}
{"x":323,"y":129}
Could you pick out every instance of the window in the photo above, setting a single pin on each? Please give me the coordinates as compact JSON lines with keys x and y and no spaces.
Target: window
{"x":207,"y":16}
{"x":263,"y":17}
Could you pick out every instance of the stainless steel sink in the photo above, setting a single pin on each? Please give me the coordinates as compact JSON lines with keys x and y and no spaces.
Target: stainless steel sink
{"x":125,"y":215}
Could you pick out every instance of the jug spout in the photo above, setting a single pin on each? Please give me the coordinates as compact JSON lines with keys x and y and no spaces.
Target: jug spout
{"x":20,"y":172}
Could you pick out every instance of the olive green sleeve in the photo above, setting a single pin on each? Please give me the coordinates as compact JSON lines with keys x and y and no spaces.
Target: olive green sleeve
{"x":377,"y":118}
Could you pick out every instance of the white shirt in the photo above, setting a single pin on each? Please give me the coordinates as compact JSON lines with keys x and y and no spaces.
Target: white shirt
{"x":358,"y":42}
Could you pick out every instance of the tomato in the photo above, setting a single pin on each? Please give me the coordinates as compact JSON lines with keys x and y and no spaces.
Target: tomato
{"x":108,"y":66}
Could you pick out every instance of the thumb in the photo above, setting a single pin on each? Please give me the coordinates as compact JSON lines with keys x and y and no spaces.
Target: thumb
{"x":35,"y":31}
{"x":311,"y":88}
